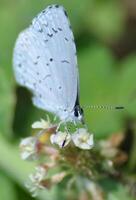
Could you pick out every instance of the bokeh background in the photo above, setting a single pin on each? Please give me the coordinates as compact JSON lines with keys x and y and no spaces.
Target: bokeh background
{"x":105,"y":35}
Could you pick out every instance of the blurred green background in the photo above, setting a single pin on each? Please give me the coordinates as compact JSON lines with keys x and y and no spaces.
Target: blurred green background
{"x":105,"y":35}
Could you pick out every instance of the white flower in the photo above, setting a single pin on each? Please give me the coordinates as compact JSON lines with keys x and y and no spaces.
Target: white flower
{"x":60,"y":138}
{"x":39,"y":175}
{"x":35,"y":180}
{"x":83,"y":139}
{"x":28,"y":148}
{"x":58,"y":177}
{"x":42,"y":124}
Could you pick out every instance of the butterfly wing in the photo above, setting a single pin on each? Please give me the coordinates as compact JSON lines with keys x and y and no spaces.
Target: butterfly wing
{"x":45,"y":60}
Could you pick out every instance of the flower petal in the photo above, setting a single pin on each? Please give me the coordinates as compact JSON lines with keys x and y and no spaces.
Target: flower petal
{"x":60,"y":138}
{"x":42,"y":124}
{"x":35,"y":180}
{"x":28,"y":148}
{"x":83,"y":139}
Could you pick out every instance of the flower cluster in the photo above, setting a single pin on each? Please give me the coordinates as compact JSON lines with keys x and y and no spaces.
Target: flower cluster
{"x":63,"y":154}
{"x":81,"y":138}
{"x":47,"y":142}
{"x":30,"y":146}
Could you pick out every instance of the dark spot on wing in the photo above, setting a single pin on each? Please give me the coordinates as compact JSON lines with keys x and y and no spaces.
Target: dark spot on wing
{"x":40,"y":30}
{"x":20,"y":65}
{"x":48,"y":75}
{"x":65,"y":13}
{"x":50,"y":35}
{"x":43,"y":11}
{"x":70,"y":27}
{"x":45,"y":40}
{"x":51,"y":59}
{"x":60,"y":87}
{"x":34,"y":84}
{"x":65,"y":61}
{"x":35,"y":63}
{"x":60,"y":29}
{"x":66,"y":39}
{"x":56,"y":6}
{"x":47,"y":64}
{"x":55,"y":31}
{"x":37,"y":73}
{"x":50,"y":7}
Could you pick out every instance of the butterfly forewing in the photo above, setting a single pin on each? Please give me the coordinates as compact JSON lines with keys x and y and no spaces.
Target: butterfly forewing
{"x":45,"y":60}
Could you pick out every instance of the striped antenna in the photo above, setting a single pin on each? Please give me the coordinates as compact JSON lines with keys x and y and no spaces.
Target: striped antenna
{"x":105,"y":107}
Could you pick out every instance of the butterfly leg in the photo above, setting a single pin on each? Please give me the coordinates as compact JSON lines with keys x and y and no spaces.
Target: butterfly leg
{"x":60,"y":123}
{"x":64,"y":141}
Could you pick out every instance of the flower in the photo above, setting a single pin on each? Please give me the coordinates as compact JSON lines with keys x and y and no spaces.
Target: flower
{"x":46,"y":129}
{"x":28,"y":147}
{"x":107,"y":149}
{"x":35,"y":180}
{"x":58,"y":177}
{"x":60,"y":138}
{"x":42,"y":124}
{"x":83,"y":139}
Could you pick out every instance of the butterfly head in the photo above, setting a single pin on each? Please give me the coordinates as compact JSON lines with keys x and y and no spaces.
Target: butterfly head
{"x":79,"y":113}
{"x":76,"y":115}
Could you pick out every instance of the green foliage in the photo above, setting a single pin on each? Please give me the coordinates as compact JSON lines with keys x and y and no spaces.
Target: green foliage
{"x":106,"y":18}
{"x":7,"y":188}
{"x":104,"y":80}
{"x":115,"y":191}
{"x":6,"y":104}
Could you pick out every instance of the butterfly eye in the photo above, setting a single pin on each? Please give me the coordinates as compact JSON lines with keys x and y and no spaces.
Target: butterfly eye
{"x":76,"y":111}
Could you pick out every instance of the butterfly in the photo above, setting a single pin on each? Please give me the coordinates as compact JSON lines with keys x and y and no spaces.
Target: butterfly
{"x":45,"y":62}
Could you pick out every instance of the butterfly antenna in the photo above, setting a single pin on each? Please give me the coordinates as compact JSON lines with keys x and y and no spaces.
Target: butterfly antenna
{"x":105,"y":107}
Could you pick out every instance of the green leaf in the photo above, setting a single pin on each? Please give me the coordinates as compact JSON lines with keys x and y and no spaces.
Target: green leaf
{"x":120,"y":193}
{"x":127,"y":86}
{"x":106,"y":19}
{"x":6,"y":103}
{"x":115,"y":190}
{"x":98,"y":83}
{"x":7,"y":189}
